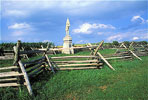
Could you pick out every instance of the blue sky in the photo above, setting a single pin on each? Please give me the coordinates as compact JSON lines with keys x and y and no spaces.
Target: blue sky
{"x":90,"y":20}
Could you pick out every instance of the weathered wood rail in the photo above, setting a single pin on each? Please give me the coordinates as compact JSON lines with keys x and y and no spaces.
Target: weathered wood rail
{"x":21,"y":73}
{"x":128,"y":51}
{"x":76,"y":62}
{"x":9,"y":76}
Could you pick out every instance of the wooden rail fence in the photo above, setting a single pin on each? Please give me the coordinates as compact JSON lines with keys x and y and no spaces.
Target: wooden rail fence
{"x":21,"y":72}
{"x":76,"y":62}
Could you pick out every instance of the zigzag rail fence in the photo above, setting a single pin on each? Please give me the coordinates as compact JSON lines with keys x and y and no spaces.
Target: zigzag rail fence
{"x":21,"y":72}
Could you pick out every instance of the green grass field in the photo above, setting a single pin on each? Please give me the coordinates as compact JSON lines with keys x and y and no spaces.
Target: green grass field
{"x":128,"y":82}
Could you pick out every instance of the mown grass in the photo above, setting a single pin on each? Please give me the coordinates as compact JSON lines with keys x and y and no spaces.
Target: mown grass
{"x":128,"y":82}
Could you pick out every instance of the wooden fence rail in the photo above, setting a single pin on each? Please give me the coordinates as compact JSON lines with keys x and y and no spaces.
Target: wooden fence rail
{"x":12,"y":75}
{"x":64,"y":57}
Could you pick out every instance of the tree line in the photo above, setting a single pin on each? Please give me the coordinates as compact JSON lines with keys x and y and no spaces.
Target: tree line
{"x":117,"y":44}
{"x":27,"y":45}
{"x":9,"y":46}
{"x":127,"y":43}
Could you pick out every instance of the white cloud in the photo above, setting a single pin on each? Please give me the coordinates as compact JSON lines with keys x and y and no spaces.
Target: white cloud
{"x":144,"y":37}
{"x":135,"y":18}
{"x":46,"y":41}
{"x":105,"y":33}
{"x":100,"y":33}
{"x":26,"y":7}
{"x":86,"y":28}
{"x":135,"y":38}
{"x":19,"y":26}
{"x":103,"y":26}
{"x":117,"y":37}
{"x":21,"y":29}
{"x":15,"y":13}
{"x":18,"y":33}
{"x":82,"y":41}
{"x":139,"y":34}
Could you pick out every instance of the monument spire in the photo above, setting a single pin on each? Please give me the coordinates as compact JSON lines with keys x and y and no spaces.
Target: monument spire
{"x":67,"y":26}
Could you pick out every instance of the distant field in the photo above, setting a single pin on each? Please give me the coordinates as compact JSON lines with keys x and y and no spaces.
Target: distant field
{"x":128,"y":82}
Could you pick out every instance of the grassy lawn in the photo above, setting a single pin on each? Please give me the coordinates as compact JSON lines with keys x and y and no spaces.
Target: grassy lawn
{"x":128,"y":82}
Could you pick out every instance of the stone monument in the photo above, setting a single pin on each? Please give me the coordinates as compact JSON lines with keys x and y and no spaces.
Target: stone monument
{"x":67,"y":45}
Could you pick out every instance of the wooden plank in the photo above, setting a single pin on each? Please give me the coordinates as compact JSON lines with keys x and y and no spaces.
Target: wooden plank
{"x":89,"y":44}
{"x":131,"y":45}
{"x":135,"y":55}
{"x":60,"y":49}
{"x":90,"y":64}
{"x":142,"y":51}
{"x":91,"y":50}
{"x":17,"y":51}
{"x":35,"y":72}
{"x":124,"y":46}
{"x":6,"y":68}
{"x":121,"y":48}
{"x":73,"y":57}
{"x":109,"y":65}
{"x":54,"y":52}
{"x":8,"y":84}
{"x":8,"y":79}
{"x":8,"y":74}
{"x":25,"y":55}
{"x":47,"y":46}
{"x":25,"y":77}
{"x":84,"y":47}
{"x":122,"y":53}
{"x":33,"y":49}
{"x":33,"y":61}
{"x":83,"y":61}
{"x":78,"y":68}
{"x":35,"y":67}
{"x":31,"y":52}
{"x":98,"y":47}
{"x":42,"y":47}
{"x":33,"y":64}
{"x":119,"y":57}
{"x":49,"y":63}
{"x":8,"y":51}
{"x":6,"y":57}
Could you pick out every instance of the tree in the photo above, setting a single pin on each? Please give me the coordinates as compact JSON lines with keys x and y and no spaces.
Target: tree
{"x":115,"y":43}
{"x":127,"y":43}
{"x":143,"y":42}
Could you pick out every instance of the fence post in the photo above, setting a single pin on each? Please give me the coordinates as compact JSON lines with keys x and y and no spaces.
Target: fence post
{"x":16,"y":51}
{"x":25,"y":77}
{"x":98,"y":47}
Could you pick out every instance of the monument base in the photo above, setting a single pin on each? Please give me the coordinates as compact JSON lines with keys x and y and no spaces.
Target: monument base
{"x":67,"y":46}
{"x":68,"y":51}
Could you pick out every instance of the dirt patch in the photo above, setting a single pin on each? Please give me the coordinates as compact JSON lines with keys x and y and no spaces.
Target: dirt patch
{"x":74,"y":98}
{"x":103,"y":88}
{"x":70,"y":97}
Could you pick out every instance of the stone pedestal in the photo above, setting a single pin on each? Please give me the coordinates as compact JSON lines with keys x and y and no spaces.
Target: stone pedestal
{"x":67,"y":45}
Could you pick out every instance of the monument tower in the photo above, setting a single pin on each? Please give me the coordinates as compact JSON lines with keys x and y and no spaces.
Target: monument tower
{"x":67,"y":45}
